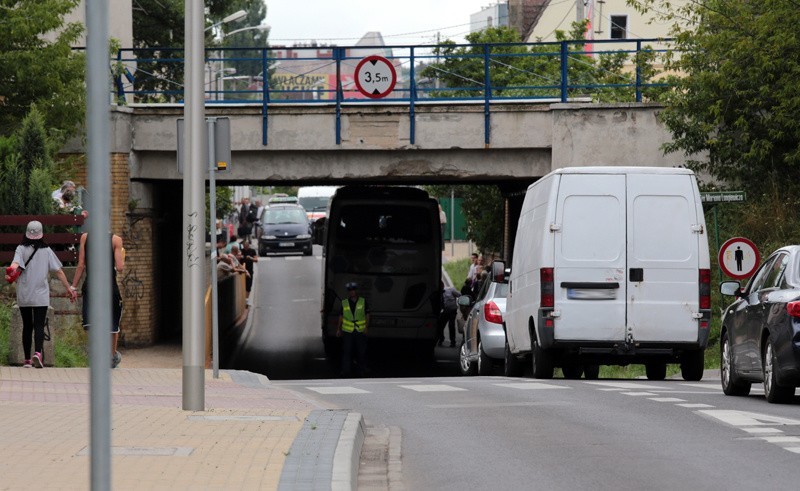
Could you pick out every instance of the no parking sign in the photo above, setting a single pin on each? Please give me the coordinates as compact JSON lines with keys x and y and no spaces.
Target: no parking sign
{"x":738,"y":258}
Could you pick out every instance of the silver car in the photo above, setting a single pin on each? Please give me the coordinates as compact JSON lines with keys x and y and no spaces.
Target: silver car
{"x":484,"y":338}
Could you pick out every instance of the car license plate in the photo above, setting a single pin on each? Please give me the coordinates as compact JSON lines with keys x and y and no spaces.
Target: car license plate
{"x":285,"y":244}
{"x":591,"y":294}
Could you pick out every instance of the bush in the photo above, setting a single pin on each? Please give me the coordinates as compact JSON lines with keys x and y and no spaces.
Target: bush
{"x":5,"y":322}
{"x":72,"y":346}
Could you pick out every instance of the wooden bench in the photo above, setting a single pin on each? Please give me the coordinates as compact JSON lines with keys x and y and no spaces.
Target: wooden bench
{"x":60,"y":241}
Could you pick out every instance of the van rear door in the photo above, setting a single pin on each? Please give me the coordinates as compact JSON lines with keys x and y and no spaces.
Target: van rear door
{"x":590,"y":258}
{"x":663,"y":258}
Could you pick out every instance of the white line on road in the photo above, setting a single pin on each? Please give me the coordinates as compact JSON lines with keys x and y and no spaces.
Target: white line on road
{"x":626,"y":385}
{"x":781,"y":439}
{"x":338,"y":390}
{"x":532,"y":386}
{"x":761,"y":430}
{"x":666,"y":399}
{"x":638,"y":394}
{"x":695,"y":405}
{"x":432,"y":388}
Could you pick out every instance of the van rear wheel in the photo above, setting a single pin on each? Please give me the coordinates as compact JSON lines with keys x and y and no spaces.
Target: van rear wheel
{"x":512,"y":366}
{"x":656,"y":371}
{"x":542,"y":362}
{"x":692,"y":365}
{"x":572,"y":372}
{"x":591,"y":372}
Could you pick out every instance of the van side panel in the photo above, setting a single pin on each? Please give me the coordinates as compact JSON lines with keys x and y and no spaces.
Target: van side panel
{"x":664,"y":245}
{"x":590,"y":254}
{"x":533,"y":247}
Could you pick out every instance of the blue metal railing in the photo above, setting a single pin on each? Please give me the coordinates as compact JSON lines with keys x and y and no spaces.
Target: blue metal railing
{"x":488,"y":74}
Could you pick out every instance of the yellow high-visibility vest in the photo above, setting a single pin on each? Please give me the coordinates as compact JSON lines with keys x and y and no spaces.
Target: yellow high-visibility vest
{"x":357,"y":320}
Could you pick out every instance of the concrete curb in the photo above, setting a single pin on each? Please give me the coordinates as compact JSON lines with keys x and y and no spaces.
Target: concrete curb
{"x":348,"y":454}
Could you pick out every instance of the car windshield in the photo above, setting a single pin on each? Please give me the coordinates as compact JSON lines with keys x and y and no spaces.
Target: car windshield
{"x":285,"y":216}
{"x":313,"y":203}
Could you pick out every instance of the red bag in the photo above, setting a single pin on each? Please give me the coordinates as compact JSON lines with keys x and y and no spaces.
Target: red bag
{"x":12,"y":274}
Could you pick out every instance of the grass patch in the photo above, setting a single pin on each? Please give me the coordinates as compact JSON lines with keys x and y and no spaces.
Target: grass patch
{"x":72,"y":345}
{"x":71,"y":342}
{"x":5,"y":323}
{"x":457,"y":270}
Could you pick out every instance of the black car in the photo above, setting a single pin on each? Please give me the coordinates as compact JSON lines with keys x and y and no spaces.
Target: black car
{"x":760,"y":336}
{"x":284,"y":228}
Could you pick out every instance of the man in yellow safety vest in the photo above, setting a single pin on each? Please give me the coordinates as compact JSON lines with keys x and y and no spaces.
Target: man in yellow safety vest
{"x":352,"y":329}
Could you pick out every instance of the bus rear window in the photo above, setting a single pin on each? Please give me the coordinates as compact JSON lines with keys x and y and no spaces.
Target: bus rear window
{"x":376,"y":223}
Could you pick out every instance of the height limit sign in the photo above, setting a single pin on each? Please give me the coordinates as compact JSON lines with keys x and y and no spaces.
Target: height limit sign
{"x":375,"y":77}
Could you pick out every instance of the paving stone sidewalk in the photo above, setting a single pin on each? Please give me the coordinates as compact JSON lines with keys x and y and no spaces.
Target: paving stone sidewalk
{"x":240,"y":441}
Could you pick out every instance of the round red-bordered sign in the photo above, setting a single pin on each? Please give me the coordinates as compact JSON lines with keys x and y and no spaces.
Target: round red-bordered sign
{"x":375,"y":77}
{"x":738,"y":258}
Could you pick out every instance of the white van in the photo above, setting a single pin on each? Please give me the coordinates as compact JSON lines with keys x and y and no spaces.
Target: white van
{"x":610,"y":266}
{"x":315,"y":200}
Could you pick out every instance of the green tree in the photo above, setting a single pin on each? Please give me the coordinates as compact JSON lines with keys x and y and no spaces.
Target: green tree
{"x":735,"y":105}
{"x":35,"y":68}
{"x":517,"y":69}
{"x":158,"y":39}
{"x":483,"y":210}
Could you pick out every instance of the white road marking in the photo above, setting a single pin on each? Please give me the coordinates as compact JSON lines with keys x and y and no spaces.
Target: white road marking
{"x":745,"y":418}
{"x":338,"y":390}
{"x":638,"y":394}
{"x":792,"y":449}
{"x":532,"y":386}
{"x":761,"y":430}
{"x":432,"y":388}
{"x":714,"y":386}
{"x":613,"y":389}
{"x":666,"y":399}
{"x":781,"y":439}
{"x":695,"y":405}
{"x":625,"y":385}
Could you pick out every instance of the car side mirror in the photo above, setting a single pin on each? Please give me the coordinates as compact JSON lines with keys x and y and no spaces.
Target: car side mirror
{"x":731,"y":288}
{"x":498,"y":272}
{"x":464,"y":300}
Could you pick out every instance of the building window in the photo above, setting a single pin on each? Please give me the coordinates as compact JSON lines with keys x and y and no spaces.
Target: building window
{"x":619,"y":27}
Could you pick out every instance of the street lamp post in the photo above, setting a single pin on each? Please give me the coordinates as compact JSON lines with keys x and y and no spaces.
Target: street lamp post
{"x":236,"y":16}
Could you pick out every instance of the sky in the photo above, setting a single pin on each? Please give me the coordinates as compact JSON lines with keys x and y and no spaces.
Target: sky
{"x":344,"y":22}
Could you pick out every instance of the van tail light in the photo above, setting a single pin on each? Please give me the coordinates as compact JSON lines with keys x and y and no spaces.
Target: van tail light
{"x":705,"y":289}
{"x":548,"y":291}
{"x":492,"y":313}
{"x":793,"y":308}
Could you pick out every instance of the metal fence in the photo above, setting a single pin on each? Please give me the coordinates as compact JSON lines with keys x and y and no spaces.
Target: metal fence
{"x":588,"y":71}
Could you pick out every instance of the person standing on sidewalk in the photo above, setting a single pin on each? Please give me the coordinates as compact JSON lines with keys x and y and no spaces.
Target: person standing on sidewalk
{"x":118,"y":264}
{"x":37,"y":261}
{"x":352,"y":328}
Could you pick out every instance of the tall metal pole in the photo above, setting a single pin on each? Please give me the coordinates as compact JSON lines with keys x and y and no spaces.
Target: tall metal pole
{"x":212,"y":232}
{"x":193,"y":257}
{"x":99,"y":242}
{"x":579,"y":15}
{"x":452,"y":222}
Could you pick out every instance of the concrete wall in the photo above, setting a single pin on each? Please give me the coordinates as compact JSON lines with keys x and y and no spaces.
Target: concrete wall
{"x":526,"y":142}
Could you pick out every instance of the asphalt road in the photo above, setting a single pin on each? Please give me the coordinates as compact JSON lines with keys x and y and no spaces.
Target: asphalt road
{"x":284,"y":340}
{"x":505,"y":433}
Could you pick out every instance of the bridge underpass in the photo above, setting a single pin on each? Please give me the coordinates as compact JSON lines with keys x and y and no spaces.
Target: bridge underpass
{"x":526,"y":141}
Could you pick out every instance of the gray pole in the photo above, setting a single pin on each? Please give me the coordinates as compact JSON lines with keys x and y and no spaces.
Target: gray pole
{"x":193,"y":263}
{"x":99,"y":261}
{"x":212,"y":232}
{"x":452,"y":222}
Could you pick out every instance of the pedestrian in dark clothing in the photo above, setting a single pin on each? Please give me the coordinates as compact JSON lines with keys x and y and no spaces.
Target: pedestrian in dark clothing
{"x":37,"y":261}
{"x":448,"y":313}
{"x":249,"y":257}
{"x":117,"y":265}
